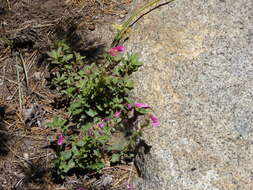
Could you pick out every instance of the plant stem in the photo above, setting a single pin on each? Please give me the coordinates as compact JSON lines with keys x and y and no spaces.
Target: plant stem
{"x":131,"y":18}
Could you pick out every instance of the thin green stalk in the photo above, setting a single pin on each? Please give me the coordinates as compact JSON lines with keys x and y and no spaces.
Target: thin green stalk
{"x":131,"y":18}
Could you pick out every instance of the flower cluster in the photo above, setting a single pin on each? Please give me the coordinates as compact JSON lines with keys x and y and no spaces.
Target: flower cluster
{"x":154,"y":120}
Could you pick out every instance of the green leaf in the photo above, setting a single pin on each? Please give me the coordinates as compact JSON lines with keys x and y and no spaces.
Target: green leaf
{"x":99,"y":107}
{"x":86,"y":127}
{"x":129,"y":101}
{"x":102,"y":139}
{"x":96,"y":153}
{"x":97,"y":166}
{"x":67,"y":58}
{"x":129,"y":84}
{"x":80,"y":143}
{"x":69,"y":91}
{"x":75,"y":105}
{"x":77,"y":111}
{"x":115,"y":158}
{"x":118,"y":147}
{"x":52,"y":54}
{"x":75,"y":151}
{"x":78,"y":56}
{"x":142,"y":110}
{"x":118,"y":120}
{"x":66,"y":155}
{"x":81,"y":72}
{"x":70,"y":165}
{"x":57,"y":122}
{"x":91,"y":113}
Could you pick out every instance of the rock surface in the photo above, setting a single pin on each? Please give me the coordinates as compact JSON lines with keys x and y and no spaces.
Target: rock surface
{"x":198,"y":76}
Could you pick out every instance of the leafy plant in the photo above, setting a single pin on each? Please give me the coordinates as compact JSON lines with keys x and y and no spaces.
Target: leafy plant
{"x":98,"y":108}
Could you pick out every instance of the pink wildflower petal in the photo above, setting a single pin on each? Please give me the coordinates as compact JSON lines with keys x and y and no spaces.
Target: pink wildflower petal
{"x":154,"y":121}
{"x":113,"y":51}
{"x":129,"y":106}
{"x":129,"y":186}
{"x":60,"y":139}
{"x":101,"y":125}
{"x":119,"y":48}
{"x":117,"y":114}
{"x":106,"y":119}
{"x":141,"y":105}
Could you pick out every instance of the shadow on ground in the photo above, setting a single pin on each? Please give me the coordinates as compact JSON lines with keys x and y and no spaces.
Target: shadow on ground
{"x":4,"y":137}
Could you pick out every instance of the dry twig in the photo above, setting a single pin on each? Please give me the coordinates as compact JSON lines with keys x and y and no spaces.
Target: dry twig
{"x":19,"y":90}
{"x":28,"y":69}
{"x":8,"y":4}
{"x":25,"y":70}
{"x":121,"y":179}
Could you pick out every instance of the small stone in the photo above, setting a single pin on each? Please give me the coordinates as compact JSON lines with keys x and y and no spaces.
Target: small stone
{"x":122,"y":15}
{"x":4,"y":23}
{"x":26,"y":156}
{"x":37,"y":75}
{"x":92,"y":27}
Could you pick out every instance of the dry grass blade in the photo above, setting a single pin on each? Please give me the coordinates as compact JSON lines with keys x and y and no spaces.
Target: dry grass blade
{"x":13,"y":152}
{"x":23,"y":136}
{"x":19,"y":90}
{"x":124,"y":177}
{"x":131,"y":173}
{"x":43,"y":25}
{"x":120,"y":167}
{"x":8,"y":4}
{"x":25,"y":70}
{"x":100,"y":3}
{"x":9,"y":80}
{"x":28,"y":69}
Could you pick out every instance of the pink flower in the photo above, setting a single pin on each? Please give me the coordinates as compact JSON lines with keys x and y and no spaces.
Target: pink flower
{"x":103,"y":122}
{"x":129,"y":186}
{"x":154,"y":121}
{"x":101,"y":125}
{"x":113,"y":51}
{"x":106,"y":119}
{"x":129,"y":106}
{"x":119,"y":48}
{"x":60,"y":139}
{"x":141,"y":105}
{"x":117,"y":114}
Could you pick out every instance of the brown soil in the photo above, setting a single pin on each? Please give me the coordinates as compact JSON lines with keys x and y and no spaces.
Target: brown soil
{"x":27,"y":30}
